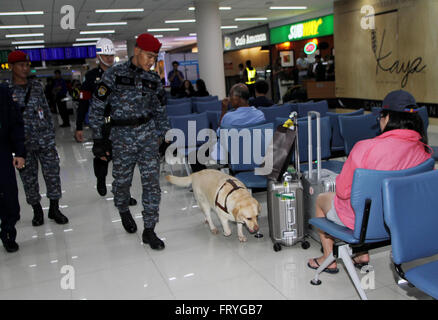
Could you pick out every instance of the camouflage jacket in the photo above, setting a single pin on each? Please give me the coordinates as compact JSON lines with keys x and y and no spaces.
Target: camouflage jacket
{"x":38,"y":124}
{"x":132,"y":94}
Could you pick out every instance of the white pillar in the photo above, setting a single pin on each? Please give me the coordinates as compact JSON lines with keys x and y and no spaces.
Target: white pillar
{"x":130,"y":44}
{"x":210,"y":50}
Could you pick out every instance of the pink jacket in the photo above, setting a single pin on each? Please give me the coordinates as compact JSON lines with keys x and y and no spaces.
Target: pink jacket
{"x":393,"y":150}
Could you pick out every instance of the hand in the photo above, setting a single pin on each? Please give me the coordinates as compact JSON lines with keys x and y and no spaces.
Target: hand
{"x":79,"y":136}
{"x":105,"y":158}
{"x":225,"y":104}
{"x":18,"y":162}
{"x":101,"y":149}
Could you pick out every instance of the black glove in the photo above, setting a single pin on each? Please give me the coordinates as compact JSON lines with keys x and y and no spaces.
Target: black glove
{"x":101,"y":147}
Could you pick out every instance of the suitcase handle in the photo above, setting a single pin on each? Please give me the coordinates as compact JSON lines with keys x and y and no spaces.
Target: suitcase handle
{"x":318,"y":144}
{"x":294,"y":117}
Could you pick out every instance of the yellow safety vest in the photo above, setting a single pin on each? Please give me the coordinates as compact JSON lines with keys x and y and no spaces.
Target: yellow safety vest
{"x":251,"y":76}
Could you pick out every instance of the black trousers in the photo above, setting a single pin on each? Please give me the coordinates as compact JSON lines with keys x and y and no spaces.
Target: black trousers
{"x":9,"y":206}
{"x":63,"y":112}
{"x":100,"y":167}
{"x":251,"y":88}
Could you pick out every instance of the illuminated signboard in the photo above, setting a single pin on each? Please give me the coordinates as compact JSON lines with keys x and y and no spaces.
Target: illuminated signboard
{"x":318,"y":27}
{"x":310,"y":47}
{"x":254,"y":37}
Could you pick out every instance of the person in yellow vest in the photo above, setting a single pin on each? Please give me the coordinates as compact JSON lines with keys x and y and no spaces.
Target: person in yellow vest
{"x":249,"y":75}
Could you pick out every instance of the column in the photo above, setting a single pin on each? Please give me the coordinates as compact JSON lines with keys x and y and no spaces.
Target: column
{"x":210,"y":50}
{"x":130,"y":44}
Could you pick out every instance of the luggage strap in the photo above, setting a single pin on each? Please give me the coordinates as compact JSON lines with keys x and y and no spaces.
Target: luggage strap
{"x":131,"y":122}
{"x":235,"y":187}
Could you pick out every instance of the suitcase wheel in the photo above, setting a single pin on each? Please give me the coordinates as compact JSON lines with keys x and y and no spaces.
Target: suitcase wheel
{"x":305,"y":245}
{"x":277,"y":247}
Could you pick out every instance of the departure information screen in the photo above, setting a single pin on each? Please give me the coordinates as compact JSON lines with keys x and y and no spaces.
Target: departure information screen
{"x":83,"y":52}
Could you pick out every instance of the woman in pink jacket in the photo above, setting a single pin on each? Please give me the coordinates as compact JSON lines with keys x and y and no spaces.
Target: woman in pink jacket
{"x":402,"y":145}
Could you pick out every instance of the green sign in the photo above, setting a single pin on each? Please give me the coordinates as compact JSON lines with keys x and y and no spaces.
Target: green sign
{"x":318,"y":27}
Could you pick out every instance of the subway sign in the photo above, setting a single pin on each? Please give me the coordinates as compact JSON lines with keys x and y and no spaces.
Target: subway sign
{"x":254,"y":37}
{"x":319,"y":27}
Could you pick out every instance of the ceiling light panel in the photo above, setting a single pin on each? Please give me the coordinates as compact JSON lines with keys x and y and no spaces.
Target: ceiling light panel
{"x":118,"y":10}
{"x":23,"y":35}
{"x":97,"y":31}
{"x":95,"y":24}
{"x":18,"y":13}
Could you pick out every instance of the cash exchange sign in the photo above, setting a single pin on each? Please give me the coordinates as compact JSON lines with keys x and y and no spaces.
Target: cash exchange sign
{"x":318,"y":27}
{"x":246,"y":39}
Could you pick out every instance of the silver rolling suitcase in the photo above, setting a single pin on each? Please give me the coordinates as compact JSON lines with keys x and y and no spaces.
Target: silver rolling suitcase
{"x":314,"y":183}
{"x":285,"y":206}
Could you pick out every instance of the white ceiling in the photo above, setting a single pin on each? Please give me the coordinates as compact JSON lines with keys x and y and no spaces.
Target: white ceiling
{"x":154,"y":14}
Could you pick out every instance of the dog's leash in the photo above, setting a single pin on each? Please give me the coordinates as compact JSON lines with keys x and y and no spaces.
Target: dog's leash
{"x":235,"y":187}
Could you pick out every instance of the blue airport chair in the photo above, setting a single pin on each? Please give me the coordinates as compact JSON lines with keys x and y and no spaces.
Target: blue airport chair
{"x":356,"y":128}
{"x":337,"y":143}
{"x":273,"y":112}
{"x":305,"y":107}
{"x":189,"y":144}
{"x":204,"y":106}
{"x":410,"y":212}
{"x":242,"y":167}
{"x":206,"y":98}
{"x":178,"y":101}
{"x":369,"y":231}
{"x":179,"y":109}
{"x":213,"y":118}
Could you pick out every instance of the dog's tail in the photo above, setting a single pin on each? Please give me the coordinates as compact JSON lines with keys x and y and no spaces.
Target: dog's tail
{"x":180,"y":181}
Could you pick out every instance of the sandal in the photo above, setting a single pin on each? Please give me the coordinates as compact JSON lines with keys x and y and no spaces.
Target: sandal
{"x":359,"y":265}
{"x":328,"y":270}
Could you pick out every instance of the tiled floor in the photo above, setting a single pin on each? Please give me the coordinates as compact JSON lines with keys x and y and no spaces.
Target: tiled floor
{"x":109,"y":263}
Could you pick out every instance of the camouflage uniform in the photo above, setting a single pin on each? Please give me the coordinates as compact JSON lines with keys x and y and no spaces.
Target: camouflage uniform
{"x":39,"y":142}
{"x":133,"y":94}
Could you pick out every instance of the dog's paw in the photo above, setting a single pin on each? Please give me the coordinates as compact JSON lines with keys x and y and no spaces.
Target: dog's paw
{"x":227,"y":234}
{"x":214,"y":231}
{"x":242,"y":239}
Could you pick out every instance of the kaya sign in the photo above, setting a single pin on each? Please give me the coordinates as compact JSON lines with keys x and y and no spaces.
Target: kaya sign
{"x":246,"y":39}
{"x":318,"y":27}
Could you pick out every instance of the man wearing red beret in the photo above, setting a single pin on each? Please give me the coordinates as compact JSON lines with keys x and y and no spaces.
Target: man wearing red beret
{"x":39,"y":140}
{"x":138,"y":121}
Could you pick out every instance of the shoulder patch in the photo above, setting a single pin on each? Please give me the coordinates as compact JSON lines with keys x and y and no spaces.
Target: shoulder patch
{"x":102,"y":91}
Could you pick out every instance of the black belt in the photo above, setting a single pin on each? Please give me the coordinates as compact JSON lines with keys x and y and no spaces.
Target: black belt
{"x":130,"y":122}
{"x":235,"y":187}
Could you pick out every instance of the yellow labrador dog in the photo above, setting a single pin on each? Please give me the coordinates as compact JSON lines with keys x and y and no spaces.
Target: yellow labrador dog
{"x":224,"y":194}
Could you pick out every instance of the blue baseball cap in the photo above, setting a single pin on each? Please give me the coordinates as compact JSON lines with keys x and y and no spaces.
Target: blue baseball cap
{"x":399,"y":100}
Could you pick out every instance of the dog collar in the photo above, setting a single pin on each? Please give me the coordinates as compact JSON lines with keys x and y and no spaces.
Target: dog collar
{"x":235,"y":187}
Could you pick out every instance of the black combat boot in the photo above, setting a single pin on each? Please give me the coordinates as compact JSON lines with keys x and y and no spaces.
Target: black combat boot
{"x":151,"y":238}
{"x":128,"y":222}
{"x":9,"y":243}
{"x":132,"y":202}
{"x":38,"y":215}
{"x":101,"y":186}
{"x":55,"y":214}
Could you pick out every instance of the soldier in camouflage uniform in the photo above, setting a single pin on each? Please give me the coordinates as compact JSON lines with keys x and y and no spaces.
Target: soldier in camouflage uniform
{"x":105,"y":53}
{"x":39,"y":140}
{"x":138,"y":121}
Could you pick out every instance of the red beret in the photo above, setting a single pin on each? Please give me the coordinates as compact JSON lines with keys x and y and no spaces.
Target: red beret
{"x":148,"y":42}
{"x":17,"y":56}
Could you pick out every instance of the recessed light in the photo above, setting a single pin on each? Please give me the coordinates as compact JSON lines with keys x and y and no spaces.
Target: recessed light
{"x":22,"y":35}
{"x":192,"y":34}
{"x":251,"y":19}
{"x":27,"y":42}
{"x":30,"y":47}
{"x":118,"y":10}
{"x":87,"y":39}
{"x":20,"y":13}
{"x":288,"y":8}
{"x":84,"y":44}
{"x":97,"y":31}
{"x":94,"y":24}
{"x":163,"y":29}
{"x":23,"y":26}
{"x":180,"y":21}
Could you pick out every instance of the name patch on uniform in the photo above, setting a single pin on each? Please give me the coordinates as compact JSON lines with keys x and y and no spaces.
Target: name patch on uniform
{"x":102,"y":92}
{"x":149,"y":84}
{"x":124,"y":81}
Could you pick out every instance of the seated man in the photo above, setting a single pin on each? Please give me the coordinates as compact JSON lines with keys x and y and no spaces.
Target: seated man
{"x":244,"y":115}
{"x":261,"y":89}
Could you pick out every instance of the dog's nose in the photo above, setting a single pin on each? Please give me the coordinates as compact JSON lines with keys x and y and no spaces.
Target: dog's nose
{"x":256,"y":228}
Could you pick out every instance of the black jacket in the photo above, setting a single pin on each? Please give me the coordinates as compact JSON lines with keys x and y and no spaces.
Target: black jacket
{"x":11,"y":126}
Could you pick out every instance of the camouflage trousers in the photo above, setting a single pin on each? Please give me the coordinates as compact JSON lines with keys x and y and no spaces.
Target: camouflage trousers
{"x":125,"y":157}
{"x":50,"y":167}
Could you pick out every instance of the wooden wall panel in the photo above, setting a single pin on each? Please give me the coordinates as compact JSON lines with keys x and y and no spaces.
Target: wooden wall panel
{"x":406,"y":59}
